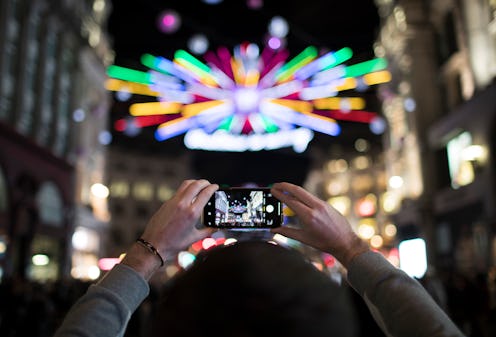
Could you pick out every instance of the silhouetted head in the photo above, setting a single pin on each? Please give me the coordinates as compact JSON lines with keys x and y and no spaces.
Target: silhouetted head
{"x":254,"y":289}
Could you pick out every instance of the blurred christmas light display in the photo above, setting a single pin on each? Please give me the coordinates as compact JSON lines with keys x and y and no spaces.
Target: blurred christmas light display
{"x":248,"y":100}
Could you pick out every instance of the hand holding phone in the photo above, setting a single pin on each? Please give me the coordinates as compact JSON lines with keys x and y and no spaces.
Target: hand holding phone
{"x":243,"y":208}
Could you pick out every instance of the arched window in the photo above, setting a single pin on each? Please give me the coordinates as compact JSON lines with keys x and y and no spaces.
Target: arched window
{"x":50,"y":205}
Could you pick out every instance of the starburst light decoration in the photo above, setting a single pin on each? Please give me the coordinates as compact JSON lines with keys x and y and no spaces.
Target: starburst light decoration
{"x":248,"y":100}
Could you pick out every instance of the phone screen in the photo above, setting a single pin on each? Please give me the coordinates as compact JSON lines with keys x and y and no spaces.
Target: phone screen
{"x":243,"y":208}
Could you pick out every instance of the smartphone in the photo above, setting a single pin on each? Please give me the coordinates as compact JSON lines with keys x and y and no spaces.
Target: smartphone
{"x":240,"y":207}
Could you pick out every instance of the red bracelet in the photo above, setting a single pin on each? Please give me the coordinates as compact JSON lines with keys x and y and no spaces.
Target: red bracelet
{"x":151,"y":248}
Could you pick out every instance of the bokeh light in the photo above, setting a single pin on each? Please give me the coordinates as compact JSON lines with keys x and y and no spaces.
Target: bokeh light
{"x":78,"y":115}
{"x":254,"y":4}
{"x":169,"y":21}
{"x":278,"y":27}
{"x":198,"y":44}
{"x":250,"y":99}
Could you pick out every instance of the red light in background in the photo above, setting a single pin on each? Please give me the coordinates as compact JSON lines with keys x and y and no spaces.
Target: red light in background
{"x":365,"y":207}
{"x":220,"y":241}
{"x":394,"y":252}
{"x":329,"y":260}
{"x":197,"y":246}
{"x":120,"y":125}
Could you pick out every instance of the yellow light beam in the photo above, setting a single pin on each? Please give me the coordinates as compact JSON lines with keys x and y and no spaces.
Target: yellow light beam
{"x":337,"y":103}
{"x":155,"y":108}
{"x":195,"y":108}
{"x":252,"y":77}
{"x":300,"y":106}
{"x":349,"y":83}
{"x":377,"y":77}
{"x":238,"y":71}
{"x":131,"y":87}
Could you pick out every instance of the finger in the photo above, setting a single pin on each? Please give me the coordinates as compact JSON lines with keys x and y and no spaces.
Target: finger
{"x":294,"y":204}
{"x":200,"y":234}
{"x":293,"y":233}
{"x":192,"y":190}
{"x":297,"y":192}
{"x":184,"y":185}
{"x":204,"y":195}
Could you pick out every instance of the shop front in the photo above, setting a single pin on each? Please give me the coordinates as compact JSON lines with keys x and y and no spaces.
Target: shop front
{"x":36,"y":193}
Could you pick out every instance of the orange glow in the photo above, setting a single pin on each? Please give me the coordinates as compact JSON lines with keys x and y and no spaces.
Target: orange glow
{"x":237,"y":69}
{"x":300,"y":106}
{"x":349,"y":83}
{"x":195,"y":108}
{"x":154,"y":108}
{"x":377,"y":77}
{"x":252,"y":78}
{"x":337,"y":103}
{"x":287,"y":211}
{"x":131,"y":87}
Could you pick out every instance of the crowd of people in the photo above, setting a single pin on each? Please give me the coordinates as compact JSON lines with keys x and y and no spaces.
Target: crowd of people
{"x":30,"y":308}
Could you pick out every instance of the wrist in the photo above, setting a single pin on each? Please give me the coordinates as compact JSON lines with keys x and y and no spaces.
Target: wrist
{"x":356,"y":246}
{"x":151,"y":248}
{"x":142,"y":260}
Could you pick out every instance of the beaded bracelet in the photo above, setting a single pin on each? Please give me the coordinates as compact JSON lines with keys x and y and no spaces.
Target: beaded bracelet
{"x":151,"y":248}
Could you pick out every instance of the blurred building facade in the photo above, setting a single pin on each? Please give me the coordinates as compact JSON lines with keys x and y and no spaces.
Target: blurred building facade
{"x":139,"y":183}
{"x":53,"y":109}
{"x":441,"y":111}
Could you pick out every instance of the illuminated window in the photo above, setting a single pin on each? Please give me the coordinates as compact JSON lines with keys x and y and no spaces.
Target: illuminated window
{"x":26,"y":117}
{"x":413,"y":257}
{"x":337,"y":166}
{"x":362,"y":145}
{"x":390,"y":202}
{"x":461,"y":170}
{"x":51,"y":208}
{"x":85,"y":266}
{"x":366,"y":206}
{"x":341,"y":204}
{"x":164,"y":193}
{"x":367,"y":228}
{"x":337,"y":186}
{"x":361,"y":162}
{"x":45,"y":258}
{"x":143,"y":191}
{"x":85,"y":239}
{"x":119,"y":189}
{"x":362,"y":183}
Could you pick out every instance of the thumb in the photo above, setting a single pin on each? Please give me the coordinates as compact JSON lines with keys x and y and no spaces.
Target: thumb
{"x":293,"y":233}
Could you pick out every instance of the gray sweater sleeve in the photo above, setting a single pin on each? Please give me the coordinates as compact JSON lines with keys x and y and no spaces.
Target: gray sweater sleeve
{"x":107,"y":306}
{"x":398,"y":303}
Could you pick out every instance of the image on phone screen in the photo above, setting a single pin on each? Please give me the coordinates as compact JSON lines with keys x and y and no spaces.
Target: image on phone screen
{"x":243,"y":208}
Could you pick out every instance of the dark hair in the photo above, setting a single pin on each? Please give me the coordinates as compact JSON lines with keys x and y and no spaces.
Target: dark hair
{"x":254,"y":289}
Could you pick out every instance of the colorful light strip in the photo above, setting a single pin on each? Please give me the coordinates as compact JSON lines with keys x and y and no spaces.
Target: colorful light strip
{"x":248,"y":93}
